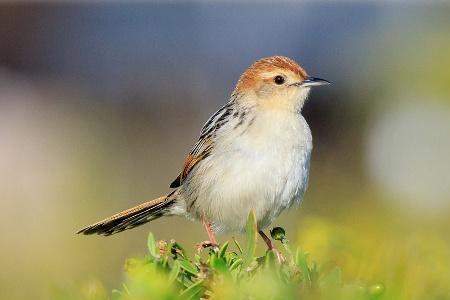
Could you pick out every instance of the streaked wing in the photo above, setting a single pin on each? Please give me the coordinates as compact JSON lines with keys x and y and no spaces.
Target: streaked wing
{"x":205,"y":144}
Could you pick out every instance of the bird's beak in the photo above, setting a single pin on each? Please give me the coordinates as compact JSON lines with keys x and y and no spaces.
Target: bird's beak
{"x":313,"y":81}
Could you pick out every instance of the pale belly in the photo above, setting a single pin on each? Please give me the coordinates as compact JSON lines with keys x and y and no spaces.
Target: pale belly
{"x":266,"y":175}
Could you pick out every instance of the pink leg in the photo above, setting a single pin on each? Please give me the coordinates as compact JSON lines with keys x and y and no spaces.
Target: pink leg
{"x":271,"y":247}
{"x":210,"y":232}
{"x":266,"y":240}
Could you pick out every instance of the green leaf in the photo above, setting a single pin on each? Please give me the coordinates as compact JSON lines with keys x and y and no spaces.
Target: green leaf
{"x":223,"y":249}
{"x":151,"y":245}
{"x":314,"y":274}
{"x":165,"y":262}
{"x":185,"y":281}
{"x":187,"y":266}
{"x":127,"y":290}
{"x":177,"y":250}
{"x":302,"y":262}
{"x":238,"y":245}
{"x":219,"y":264}
{"x":192,"y":291}
{"x":116,"y":291}
{"x":231,"y":256}
{"x":197,"y":258}
{"x":236,"y":264}
{"x":173,"y":275}
{"x":269,"y":261}
{"x":251,"y":234}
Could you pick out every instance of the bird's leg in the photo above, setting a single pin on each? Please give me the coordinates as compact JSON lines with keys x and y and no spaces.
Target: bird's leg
{"x":212,"y":242}
{"x":209,"y":231}
{"x":271,"y":247}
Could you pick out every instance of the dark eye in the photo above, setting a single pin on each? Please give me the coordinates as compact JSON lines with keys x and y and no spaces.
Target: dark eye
{"x":279,"y":79}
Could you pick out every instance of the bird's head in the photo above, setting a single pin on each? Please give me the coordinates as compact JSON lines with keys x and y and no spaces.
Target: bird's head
{"x":276,"y":82}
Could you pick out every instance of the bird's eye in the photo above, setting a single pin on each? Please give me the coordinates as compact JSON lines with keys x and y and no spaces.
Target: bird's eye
{"x":279,"y":79}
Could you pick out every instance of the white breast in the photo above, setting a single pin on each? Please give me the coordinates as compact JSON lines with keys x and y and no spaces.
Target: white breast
{"x":264,"y":168}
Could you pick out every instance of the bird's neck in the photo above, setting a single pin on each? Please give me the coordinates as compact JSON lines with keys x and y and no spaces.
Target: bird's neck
{"x":292,"y":102}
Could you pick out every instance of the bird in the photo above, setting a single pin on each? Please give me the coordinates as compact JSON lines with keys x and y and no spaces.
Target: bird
{"x":253,"y":154}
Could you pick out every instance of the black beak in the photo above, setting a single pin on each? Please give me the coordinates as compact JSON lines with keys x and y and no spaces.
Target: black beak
{"x":314,"y":81}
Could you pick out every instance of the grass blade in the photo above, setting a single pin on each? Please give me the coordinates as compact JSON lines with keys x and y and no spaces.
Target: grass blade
{"x":193,"y":291}
{"x":187,"y":266}
{"x":151,"y":245}
{"x":173,"y":275}
{"x":223,"y":249}
{"x":238,"y":245}
{"x":251,"y":234}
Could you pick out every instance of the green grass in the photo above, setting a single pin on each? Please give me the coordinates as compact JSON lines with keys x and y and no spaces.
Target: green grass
{"x":229,"y":272}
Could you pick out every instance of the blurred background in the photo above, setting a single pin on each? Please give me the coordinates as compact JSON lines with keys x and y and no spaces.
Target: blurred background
{"x":100,"y":103}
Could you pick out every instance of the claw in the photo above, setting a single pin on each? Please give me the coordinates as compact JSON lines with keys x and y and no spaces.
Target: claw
{"x":205,"y":244}
{"x":280,"y":257}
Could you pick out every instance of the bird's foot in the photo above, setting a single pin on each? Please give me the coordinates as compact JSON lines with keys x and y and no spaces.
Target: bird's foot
{"x":280,"y":257}
{"x":206,"y":244}
{"x":271,"y":247}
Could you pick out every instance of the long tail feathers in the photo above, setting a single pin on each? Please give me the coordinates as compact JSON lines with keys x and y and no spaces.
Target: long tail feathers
{"x":132,"y":217}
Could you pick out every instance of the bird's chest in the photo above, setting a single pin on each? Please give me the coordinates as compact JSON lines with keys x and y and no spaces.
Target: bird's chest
{"x":266,"y":167}
{"x":272,"y":154}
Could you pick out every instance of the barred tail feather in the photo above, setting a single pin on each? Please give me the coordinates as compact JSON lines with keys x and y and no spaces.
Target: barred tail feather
{"x":132,"y":217}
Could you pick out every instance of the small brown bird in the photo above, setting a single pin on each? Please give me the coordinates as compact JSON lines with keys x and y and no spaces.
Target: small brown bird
{"x":252,"y":154}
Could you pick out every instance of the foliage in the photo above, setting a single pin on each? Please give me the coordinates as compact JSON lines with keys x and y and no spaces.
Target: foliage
{"x":221,"y":273}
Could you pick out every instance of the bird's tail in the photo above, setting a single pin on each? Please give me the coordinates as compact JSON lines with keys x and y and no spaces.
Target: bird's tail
{"x":133,"y":217}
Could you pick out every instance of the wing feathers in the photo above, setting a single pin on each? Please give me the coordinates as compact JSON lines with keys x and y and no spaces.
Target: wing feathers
{"x":205,"y":143}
